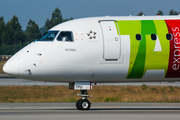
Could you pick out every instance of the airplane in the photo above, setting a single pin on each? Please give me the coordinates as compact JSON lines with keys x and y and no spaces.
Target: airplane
{"x":102,"y":50}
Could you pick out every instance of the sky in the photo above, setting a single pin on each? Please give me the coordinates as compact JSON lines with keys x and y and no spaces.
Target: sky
{"x":40,"y":10}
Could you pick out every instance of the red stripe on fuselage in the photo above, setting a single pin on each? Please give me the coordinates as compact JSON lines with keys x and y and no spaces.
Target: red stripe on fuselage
{"x":174,"y":56}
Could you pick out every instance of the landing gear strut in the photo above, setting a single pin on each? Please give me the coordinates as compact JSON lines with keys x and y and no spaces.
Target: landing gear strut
{"x":84,"y":103}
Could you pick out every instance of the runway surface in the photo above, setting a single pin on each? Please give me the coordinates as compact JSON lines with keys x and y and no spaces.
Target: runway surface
{"x":23,"y":82}
{"x":98,"y":111}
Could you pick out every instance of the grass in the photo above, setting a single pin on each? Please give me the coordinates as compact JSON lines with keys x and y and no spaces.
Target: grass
{"x":144,"y":93}
{"x":1,"y":66}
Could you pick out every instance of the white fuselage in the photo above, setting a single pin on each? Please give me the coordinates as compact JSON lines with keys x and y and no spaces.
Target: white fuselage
{"x":80,"y":60}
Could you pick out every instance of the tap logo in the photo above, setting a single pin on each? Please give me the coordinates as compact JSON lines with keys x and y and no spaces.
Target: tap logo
{"x":91,"y":34}
{"x":149,"y":54}
{"x":79,"y":87}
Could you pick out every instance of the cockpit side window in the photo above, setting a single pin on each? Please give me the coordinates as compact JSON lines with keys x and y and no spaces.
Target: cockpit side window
{"x":66,"y":36}
{"x":48,"y":36}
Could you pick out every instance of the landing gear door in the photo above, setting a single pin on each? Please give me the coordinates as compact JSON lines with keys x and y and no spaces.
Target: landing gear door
{"x":111,"y":40}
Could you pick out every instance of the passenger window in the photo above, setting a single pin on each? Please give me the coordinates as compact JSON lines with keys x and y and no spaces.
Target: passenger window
{"x":153,"y":36}
{"x":169,"y":36}
{"x":138,"y":37}
{"x":65,"y":36}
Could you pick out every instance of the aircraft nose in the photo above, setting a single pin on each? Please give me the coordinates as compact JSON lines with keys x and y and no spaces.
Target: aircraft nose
{"x":11,"y":68}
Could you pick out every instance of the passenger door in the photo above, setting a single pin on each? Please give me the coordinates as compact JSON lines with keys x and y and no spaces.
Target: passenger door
{"x":111,"y":40}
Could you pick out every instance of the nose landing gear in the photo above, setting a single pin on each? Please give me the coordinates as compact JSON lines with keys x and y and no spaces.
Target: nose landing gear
{"x":84,"y":103}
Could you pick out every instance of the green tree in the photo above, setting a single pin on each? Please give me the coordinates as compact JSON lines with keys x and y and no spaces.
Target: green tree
{"x":3,"y":38}
{"x":48,"y":24}
{"x":140,"y":13}
{"x":1,"y":18}
{"x":172,"y":12}
{"x":67,"y":19}
{"x":176,"y":13}
{"x":14,"y":33}
{"x":56,"y":19}
{"x":160,"y":12}
{"x":2,"y":29}
{"x":32,"y":31}
{"x":42,"y":30}
{"x":10,"y":49}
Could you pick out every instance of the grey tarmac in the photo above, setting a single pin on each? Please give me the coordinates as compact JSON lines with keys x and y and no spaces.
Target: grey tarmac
{"x":6,"y":81}
{"x":98,"y":111}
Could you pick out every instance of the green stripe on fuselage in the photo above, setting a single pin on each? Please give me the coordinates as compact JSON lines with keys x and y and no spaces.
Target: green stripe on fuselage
{"x":142,"y":54}
{"x":131,"y":28}
{"x":156,"y":60}
{"x":147,"y":28}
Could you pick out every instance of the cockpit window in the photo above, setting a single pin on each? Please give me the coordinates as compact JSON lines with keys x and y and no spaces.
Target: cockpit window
{"x":48,"y":36}
{"x":65,"y":36}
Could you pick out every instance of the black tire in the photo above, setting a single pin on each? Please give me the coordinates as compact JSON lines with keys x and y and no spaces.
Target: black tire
{"x":84,"y":104}
{"x":78,"y":104}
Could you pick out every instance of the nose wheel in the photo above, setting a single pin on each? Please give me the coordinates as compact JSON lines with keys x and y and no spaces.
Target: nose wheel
{"x":84,"y":103}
